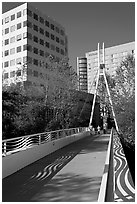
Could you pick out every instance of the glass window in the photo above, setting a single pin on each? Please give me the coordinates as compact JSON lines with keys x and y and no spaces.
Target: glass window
{"x":41,"y":31}
{"x":24,"y":23}
{"x":12,"y":17}
{"x":41,"y":42}
{"x":24,"y":59}
{"x":6,"y":41}
{"x":57,"y":49}
{"x":6,"y":30}
{"x":35,"y":50}
{"x":29,"y":48}
{"x":52,"y":26}
{"x":24,"y":35}
{"x":29,"y":12}
{"x":29,"y":24}
{"x":19,"y":49}
{"x":12,"y":51}
{"x":61,"y":32}
{"x":12,"y":74}
{"x":41,"y":52}
{"x":7,"y":19}
{"x":2,"y":21}
{"x":52,"y":37}
{"x":19,"y":37}
{"x":47,"y":44}
{"x":18,"y":60}
{"x":18,"y":26}
{"x":29,"y":36}
{"x":19,"y":73}
{"x":35,"y":27}
{"x":47,"y":23}
{"x":12,"y":28}
{"x":6,"y":64}
{"x":41,"y":20}
{"x":35,"y":73}
{"x":6,"y":52}
{"x":24,"y":12}
{"x":47,"y":34}
{"x":57,"y":39}
{"x":35,"y":62}
{"x":35,"y":38}
{"x":19,"y":14}
{"x":35,"y":16}
{"x":57,"y":29}
{"x":62,"y":42}
{"x":6,"y":75}
{"x":12,"y":62}
{"x":62,"y":52}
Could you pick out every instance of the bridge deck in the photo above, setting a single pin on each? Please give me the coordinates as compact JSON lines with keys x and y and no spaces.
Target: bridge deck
{"x":73,"y":174}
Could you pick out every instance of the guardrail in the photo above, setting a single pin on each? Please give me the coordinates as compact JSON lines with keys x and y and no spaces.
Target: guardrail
{"x":17,"y":144}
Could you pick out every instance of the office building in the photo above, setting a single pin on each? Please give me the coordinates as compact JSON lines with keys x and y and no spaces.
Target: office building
{"x":113,"y":57}
{"x":28,"y":38}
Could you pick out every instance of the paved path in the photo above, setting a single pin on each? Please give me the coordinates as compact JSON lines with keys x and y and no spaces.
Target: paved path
{"x":71,"y":174}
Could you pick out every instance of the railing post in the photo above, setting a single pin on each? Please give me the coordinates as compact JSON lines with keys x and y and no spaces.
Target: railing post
{"x":39,"y":139}
{"x":5,"y":148}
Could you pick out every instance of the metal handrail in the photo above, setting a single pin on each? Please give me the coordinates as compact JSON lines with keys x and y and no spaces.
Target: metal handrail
{"x":13,"y":145}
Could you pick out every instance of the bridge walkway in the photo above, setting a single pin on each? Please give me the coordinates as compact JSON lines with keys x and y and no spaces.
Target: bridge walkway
{"x":71,"y":174}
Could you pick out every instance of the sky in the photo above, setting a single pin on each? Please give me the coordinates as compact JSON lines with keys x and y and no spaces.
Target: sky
{"x":87,"y":23}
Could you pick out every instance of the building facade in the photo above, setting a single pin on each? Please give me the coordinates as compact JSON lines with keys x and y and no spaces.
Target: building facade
{"x":28,"y":39}
{"x":82,"y":73}
{"x":113,"y":57}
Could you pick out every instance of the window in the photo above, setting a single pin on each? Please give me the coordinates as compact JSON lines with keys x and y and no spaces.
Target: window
{"x":12,"y":62}
{"x":47,"y":34}
{"x":61,"y":32}
{"x":46,"y":54}
{"x":18,"y":60}
{"x":35,"y":62}
{"x":35,"y":73}
{"x":47,"y":23}
{"x":35,"y":27}
{"x":29,"y":72}
{"x":12,"y":51}
{"x":12,"y":28}
{"x":6,"y":75}
{"x":57,"y":39}
{"x":41,"y":20}
{"x":19,"y":49}
{"x":24,"y":23}
{"x":27,"y":47}
{"x":6,"y":41}
{"x":12,"y":17}
{"x":52,"y":26}
{"x":19,"y":14}
{"x":35,"y":16}
{"x":6,"y":52}
{"x":6,"y":30}
{"x":35,"y":50}
{"x":35,"y":39}
{"x":6,"y":64}
{"x":24,"y":35}
{"x":41,"y":31}
{"x":29,"y":24}
{"x":47,"y":44}
{"x":18,"y":26}
{"x":24,"y":12}
{"x":29,"y":12}
{"x":19,"y":37}
{"x":57,"y":29}
{"x":29,"y":60}
{"x":52,"y":47}
{"x":41,"y":42}
{"x":6,"y":19}
{"x":19,"y":73}
{"x":52,"y":36}
{"x":62,"y":52}
{"x":29,"y":36}
{"x":62,"y":42}
{"x":24,"y":59}
{"x":57,"y":49}
{"x":41,"y":52}
{"x":12,"y":74}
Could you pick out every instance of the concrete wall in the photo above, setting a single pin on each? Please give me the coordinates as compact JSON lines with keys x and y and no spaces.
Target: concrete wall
{"x":17,"y":161}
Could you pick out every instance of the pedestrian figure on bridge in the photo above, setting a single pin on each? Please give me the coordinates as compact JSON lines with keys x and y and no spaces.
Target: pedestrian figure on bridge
{"x":98,"y":129}
{"x":104,"y":128}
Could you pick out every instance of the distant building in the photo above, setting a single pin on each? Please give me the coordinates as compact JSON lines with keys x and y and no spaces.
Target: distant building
{"x":113,"y":57}
{"x":28,"y":38}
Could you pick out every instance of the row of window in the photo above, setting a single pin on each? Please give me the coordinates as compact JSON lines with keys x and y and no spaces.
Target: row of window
{"x":32,"y":49}
{"x":35,"y":27}
{"x":36,"y":17}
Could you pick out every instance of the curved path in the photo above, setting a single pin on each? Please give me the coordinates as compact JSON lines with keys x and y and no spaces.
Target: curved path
{"x":124,"y":187}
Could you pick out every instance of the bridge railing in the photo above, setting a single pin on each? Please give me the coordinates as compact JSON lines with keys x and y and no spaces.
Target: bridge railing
{"x":13,"y":145}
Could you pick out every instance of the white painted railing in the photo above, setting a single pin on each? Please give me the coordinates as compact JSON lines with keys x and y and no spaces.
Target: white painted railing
{"x":17,"y":144}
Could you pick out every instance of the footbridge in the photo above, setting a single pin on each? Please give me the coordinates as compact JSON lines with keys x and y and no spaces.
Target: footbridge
{"x":70,"y":165}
